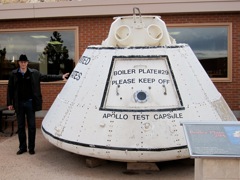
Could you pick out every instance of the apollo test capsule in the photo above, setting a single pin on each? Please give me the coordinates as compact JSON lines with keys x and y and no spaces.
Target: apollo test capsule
{"x":126,"y":98}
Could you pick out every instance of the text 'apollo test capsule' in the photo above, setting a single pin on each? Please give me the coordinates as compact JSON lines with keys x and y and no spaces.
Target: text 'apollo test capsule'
{"x":126,"y":98}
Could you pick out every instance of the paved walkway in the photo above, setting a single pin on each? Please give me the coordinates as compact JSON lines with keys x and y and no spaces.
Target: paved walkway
{"x":52,"y":163}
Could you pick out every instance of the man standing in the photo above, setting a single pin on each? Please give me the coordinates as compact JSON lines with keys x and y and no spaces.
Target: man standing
{"x":24,"y":95}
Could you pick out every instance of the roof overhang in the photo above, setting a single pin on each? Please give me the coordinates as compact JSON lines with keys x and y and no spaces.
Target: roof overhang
{"x":112,"y":8}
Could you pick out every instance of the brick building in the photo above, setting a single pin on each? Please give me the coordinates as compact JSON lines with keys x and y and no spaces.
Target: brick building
{"x":88,"y":22}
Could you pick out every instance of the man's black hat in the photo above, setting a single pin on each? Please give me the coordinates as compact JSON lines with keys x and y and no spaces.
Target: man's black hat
{"x":23,"y":57}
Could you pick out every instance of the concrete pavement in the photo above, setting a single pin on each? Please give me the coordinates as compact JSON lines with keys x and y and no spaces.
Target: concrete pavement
{"x":52,"y":163}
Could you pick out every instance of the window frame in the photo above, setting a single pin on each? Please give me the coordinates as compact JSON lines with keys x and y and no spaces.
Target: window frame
{"x":76,"y":40}
{"x":229,"y":43}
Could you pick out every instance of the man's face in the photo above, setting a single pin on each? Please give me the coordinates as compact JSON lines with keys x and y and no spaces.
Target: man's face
{"x":23,"y":64}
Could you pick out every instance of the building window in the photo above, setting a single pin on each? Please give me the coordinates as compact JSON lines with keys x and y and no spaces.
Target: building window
{"x":49,"y":51}
{"x":211,"y":44}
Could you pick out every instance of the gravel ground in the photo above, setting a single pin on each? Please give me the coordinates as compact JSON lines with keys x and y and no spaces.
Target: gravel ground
{"x":52,"y":163}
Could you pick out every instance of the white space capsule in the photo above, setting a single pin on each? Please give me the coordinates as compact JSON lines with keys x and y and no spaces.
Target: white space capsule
{"x":125,"y":99}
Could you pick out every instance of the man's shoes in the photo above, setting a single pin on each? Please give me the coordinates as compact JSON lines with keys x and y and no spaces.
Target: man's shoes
{"x":31,"y":152}
{"x":21,"y":151}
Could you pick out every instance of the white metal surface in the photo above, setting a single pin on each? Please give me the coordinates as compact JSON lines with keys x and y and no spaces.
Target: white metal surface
{"x":126,"y":103}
